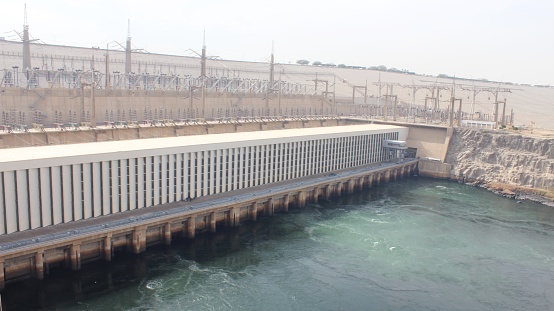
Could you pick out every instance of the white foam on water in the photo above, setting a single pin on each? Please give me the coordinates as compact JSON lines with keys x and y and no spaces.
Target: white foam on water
{"x":152,"y":285}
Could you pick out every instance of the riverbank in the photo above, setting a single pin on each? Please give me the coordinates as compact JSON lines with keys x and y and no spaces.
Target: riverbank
{"x":520,"y":194}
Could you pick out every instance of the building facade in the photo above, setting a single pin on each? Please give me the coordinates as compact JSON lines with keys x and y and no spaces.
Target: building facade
{"x":45,"y":186}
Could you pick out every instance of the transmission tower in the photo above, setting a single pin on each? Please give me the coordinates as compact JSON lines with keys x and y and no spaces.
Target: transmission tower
{"x":203,"y":74}
{"x":269,"y":88}
{"x":128,"y":49}
{"x":26,"y":43}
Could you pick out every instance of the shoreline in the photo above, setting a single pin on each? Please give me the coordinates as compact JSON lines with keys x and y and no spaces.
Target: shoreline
{"x":517,"y":193}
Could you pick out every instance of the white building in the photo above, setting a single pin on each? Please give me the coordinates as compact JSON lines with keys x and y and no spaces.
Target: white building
{"x":479,"y":124}
{"x":44,"y":186}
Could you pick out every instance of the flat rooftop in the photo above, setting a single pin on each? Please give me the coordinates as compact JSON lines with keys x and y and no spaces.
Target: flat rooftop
{"x":15,"y":155}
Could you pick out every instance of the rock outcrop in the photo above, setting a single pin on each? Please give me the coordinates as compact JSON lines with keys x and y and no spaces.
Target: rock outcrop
{"x":500,"y":156}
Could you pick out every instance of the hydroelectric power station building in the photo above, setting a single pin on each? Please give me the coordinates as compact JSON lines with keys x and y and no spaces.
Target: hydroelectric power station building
{"x":46,"y":186}
{"x":63,"y":205}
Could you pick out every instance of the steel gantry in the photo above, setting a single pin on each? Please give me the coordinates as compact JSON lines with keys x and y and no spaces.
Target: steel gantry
{"x":37,"y":78}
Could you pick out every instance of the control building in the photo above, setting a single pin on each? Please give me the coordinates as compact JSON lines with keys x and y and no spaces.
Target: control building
{"x":44,"y":186}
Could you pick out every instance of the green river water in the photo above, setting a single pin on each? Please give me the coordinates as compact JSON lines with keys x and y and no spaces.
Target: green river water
{"x":413,"y":244}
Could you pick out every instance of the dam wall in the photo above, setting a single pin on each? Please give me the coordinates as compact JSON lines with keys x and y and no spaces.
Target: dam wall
{"x":501,"y":156}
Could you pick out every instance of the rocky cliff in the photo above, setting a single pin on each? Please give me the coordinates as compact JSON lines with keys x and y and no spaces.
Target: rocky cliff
{"x":503,"y":157}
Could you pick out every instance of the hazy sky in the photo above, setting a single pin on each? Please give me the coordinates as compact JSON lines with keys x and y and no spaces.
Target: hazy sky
{"x":504,"y":40}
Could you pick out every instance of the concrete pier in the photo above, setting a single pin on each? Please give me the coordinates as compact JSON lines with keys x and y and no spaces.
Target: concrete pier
{"x":39,"y":265}
{"x":30,"y":253}
{"x":191,"y":227}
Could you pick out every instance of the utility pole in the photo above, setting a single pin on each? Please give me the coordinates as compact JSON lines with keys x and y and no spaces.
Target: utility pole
{"x":26,"y":49}
{"x":386,"y":111}
{"x":108,"y":86}
{"x":427,"y":98}
{"x":317,"y":81}
{"x":451,"y":114}
{"x":436,"y":107}
{"x":365,"y":92}
{"x":378,"y":83}
{"x":92,"y":97}
{"x":128,"y":49}
{"x":203,"y":59}
{"x":503,"y":112}
{"x":393,"y":107}
{"x":496,"y":101}
{"x":279,"y":99}
{"x":326,"y":92}
{"x":26,"y":44}
{"x":269,"y":89}
{"x":460,"y":113}
{"x":334,"y":93}
{"x":203,"y":76}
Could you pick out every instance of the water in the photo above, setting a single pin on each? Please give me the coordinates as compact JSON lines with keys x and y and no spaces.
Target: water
{"x":408,"y":245}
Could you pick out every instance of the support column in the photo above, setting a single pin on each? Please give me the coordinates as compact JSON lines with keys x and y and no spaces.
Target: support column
{"x":191,"y":227}
{"x":402,"y":172}
{"x":270,"y":209}
{"x":328,"y":190}
{"x":235,"y":214}
{"x":254,"y":211}
{"x":75,"y":256}
{"x":350,"y":187}
{"x":39,"y":265}
{"x":370,"y":180}
{"x":167,"y":234}
{"x":361,"y":183}
{"x":387,"y":176}
{"x":139,"y":240}
{"x":108,"y":247}
{"x":212,"y":221}
{"x":338,"y":190}
{"x":301,"y":199}
{"x":378,"y":178}
{"x":286,"y":201}
{"x":2,"y":275}
{"x":316,"y":194}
